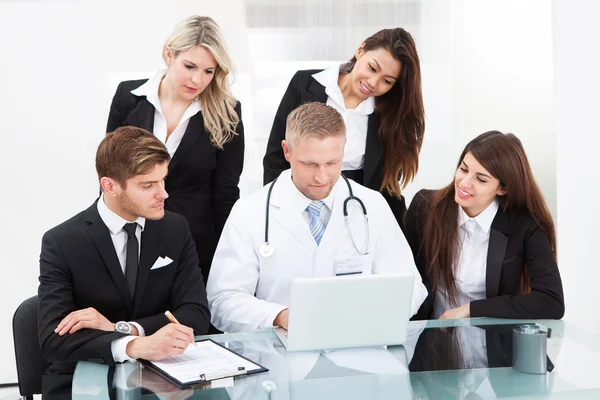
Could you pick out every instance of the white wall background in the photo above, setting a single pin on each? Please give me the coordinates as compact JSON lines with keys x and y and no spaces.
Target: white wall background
{"x":577,"y":85}
{"x":486,"y":65}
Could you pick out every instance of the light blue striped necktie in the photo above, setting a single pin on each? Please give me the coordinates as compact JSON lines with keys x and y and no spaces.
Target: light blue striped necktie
{"x":317,"y":227}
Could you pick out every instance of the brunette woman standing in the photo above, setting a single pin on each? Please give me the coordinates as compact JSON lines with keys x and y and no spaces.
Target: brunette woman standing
{"x":378,"y":93}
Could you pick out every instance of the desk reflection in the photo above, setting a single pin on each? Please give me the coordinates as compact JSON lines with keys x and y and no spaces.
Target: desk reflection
{"x":471,"y":362}
{"x":465,"y":362}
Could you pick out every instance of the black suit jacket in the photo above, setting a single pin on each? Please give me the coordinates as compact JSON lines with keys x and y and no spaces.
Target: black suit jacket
{"x":203,"y":181}
{"x":303,"y":88}
{"x":516,"y":241}
{"x":79,"y":268}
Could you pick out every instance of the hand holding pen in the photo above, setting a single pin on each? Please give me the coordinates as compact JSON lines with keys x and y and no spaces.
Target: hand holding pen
{"x":172,"y":318}
{"x":170,"y":340}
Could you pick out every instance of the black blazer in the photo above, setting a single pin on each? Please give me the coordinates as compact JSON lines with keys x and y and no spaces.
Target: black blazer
{"x":516,"y":241}
{"x":203,"y":181}
{"x":79,"y":268}
{"x":303,"y":88}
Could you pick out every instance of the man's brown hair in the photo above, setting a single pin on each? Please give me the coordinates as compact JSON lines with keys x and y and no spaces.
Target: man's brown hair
{"x":127,"y":152}
{"x":313,"y":120}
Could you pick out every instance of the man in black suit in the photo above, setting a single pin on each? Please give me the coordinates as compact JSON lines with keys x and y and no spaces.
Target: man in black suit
{"x":108,"y":274}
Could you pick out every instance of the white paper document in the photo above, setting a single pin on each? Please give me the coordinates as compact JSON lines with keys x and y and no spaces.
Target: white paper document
{"x":206,"y":362}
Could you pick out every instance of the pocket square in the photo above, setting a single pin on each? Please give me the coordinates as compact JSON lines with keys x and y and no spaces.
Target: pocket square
{"x":161,"y":262}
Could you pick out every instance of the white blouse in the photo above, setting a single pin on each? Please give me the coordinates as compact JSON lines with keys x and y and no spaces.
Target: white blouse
{"x":470,"y":274}
{"x":150,"y":90}
{"x":356,"y":120}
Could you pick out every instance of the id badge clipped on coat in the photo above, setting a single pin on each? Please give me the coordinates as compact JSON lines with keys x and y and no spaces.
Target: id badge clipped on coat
{"x":354,"y":265}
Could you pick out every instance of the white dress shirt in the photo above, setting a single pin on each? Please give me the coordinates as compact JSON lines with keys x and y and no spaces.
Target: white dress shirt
{"x":150,"y":90}
{"x":356,"y":120}
{"x":470,"y":273}
{"x":301,"y":203}
{"x":118,"y":235}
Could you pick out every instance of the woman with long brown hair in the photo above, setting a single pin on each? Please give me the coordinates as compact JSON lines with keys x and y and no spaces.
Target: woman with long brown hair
{"x":378,"y":92}
{"x":485,"y":245}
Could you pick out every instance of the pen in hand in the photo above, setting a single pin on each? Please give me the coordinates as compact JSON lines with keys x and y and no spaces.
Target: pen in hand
{"x":172,"y":318}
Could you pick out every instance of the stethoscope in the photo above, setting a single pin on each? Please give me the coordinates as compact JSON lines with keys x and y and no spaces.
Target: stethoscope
{"x":267,"y":249}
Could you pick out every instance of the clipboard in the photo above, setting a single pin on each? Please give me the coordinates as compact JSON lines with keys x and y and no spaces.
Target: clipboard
{"x":209,"y":361}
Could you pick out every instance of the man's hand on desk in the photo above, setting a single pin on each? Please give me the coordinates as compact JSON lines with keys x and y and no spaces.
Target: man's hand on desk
{"x":459,"y":312}
{"x":282,"y":318}
{"x":86,"y":318}
{"x":168,"y":341}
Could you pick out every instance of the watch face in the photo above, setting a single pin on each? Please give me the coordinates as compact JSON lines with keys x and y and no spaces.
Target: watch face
{"x":123,"y":327}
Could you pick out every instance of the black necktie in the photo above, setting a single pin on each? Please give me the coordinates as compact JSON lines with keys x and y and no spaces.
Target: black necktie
{"x":131,"y":259}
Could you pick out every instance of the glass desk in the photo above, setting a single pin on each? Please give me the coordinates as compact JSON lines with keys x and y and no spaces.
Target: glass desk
{"x":449,"y":359}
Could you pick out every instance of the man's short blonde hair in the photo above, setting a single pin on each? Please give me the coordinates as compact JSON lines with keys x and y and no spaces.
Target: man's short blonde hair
{"x":313,"y":120}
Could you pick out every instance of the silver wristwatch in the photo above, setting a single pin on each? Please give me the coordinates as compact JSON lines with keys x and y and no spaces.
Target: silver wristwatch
{"x":123,"y":327}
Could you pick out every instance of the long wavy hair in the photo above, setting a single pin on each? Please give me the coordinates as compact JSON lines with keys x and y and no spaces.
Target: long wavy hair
{"x":217,"y":101}
{"x":503,"y":156}
{"x":401,"y":111}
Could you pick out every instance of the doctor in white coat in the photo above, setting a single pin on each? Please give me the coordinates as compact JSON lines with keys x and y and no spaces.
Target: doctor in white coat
{"x":249,"y":283}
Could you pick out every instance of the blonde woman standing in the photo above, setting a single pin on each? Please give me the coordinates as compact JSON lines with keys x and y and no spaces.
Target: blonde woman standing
{"x":190,"y":108}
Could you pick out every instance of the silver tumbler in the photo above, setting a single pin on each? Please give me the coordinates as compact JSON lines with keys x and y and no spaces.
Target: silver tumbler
{"x":530,"y":349}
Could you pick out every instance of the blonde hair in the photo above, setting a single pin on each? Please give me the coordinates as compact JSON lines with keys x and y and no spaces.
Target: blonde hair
{"x":217,"y":101}
{"x":127,"y":152}
{"x":313,"y":120}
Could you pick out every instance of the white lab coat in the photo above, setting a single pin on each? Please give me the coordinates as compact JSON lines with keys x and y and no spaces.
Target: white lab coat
{"x":246,"y":291}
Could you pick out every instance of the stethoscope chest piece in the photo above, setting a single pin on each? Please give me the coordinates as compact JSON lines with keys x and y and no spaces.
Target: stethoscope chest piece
{"x":266,"y":249}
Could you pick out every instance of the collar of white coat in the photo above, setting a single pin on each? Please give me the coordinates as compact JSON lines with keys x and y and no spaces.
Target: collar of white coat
{"x":285,"y":193}
{"x":113,"y":221}
{"x":484,"y":219}
{"x":329,"y":78}
{"x":150,"y":90}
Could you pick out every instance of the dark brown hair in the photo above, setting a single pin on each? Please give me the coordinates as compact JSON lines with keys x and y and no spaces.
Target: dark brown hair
{"x":503,"y":156}
{"x":127,"y":152}
{"x":401,"y":111}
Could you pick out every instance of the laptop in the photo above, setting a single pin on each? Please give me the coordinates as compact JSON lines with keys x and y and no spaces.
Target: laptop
{"x":348,"y":311}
